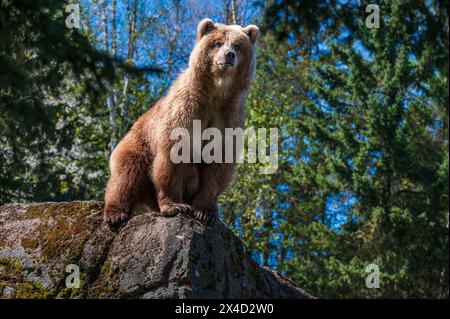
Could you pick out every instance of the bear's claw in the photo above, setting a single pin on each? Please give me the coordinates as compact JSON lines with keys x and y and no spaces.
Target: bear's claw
{"x":113,"y":217}
{"x":174,"y":209}
{"x":206,"y":216}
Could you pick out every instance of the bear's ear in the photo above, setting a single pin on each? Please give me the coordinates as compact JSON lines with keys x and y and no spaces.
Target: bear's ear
{"x":205,"y":26}
{"x":252,"y":31}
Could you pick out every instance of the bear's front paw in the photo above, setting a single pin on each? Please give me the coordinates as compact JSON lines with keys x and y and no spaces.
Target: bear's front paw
{"x":206,"y":216}
{"x":113,"y":215}
{"x":170,"y":210}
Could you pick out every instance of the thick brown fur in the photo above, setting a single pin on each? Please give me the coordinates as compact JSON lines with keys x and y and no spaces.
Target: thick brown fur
{"x":142,"y":172}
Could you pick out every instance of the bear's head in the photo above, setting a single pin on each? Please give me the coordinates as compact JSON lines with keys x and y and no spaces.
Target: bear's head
{"x":225,"y":53}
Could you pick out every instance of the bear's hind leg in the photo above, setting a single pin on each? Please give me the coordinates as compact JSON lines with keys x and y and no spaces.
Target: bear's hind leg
{"x":122,"y":191}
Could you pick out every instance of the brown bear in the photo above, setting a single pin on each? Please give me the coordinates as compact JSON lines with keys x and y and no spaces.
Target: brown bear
{"x":213,"y":89}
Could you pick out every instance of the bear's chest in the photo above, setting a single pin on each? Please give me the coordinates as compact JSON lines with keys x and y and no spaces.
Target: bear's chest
{"x":225,"y":118}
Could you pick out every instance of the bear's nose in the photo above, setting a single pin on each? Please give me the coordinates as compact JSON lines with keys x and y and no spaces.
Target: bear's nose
{"x":230,"y":56}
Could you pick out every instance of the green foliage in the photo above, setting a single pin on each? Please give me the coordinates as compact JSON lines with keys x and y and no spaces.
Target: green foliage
{"x":364,"y":150}
{"x":362,"y":115}
{"x":53,"y":81}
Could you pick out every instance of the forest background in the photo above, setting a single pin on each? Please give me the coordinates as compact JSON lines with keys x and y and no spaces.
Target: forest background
{"x":362,"y":114}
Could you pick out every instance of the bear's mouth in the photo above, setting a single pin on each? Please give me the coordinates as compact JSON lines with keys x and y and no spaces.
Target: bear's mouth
{"x":225,"y":66}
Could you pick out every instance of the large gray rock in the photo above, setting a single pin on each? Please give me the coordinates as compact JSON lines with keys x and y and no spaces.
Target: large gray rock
{"x":149,"y":257}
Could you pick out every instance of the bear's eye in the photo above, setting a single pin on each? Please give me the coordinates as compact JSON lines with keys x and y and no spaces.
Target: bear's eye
{"x":237,"y":47}
{"x":217,"y":45}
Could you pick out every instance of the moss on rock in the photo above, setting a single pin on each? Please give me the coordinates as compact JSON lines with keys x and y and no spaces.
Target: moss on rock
{"x":149,"y":257}
{"x":13,"y":285}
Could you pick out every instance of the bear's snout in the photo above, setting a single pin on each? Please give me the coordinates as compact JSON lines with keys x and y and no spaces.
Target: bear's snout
{"x":227,"y":59}
{"x":230,"y":57}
